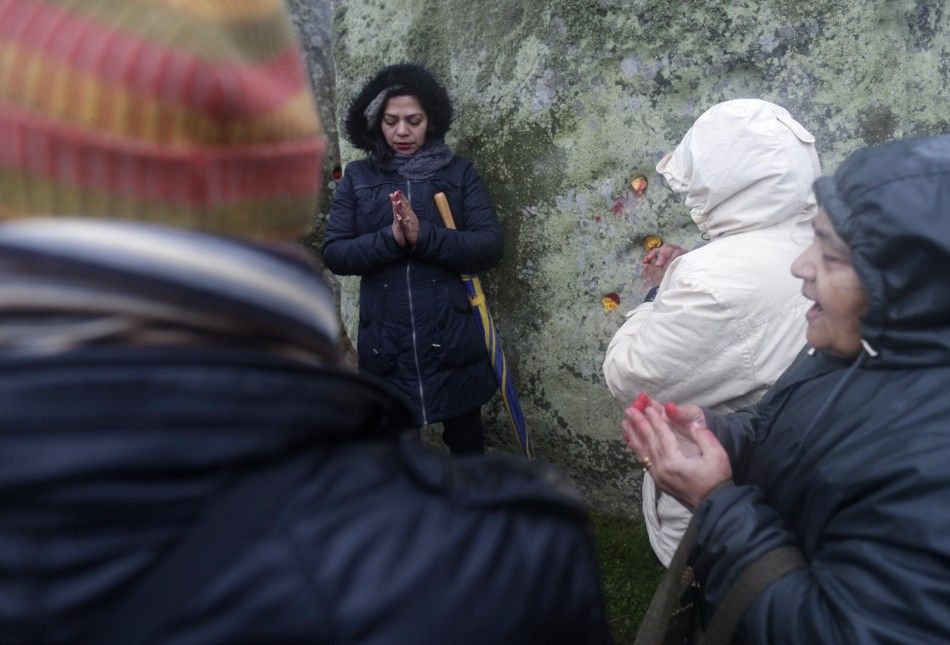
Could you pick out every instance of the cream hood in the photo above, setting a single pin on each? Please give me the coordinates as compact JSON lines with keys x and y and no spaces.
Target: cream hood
{"x":745,"y":164}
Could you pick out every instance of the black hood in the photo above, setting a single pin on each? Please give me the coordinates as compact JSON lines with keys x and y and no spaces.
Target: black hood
{"x":891,"y":205}
{"x":411,"y":80}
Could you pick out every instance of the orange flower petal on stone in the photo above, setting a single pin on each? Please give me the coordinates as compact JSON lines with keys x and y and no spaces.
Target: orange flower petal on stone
{"x":639,"y":184}
{"x":651,"y":242}
{"x":610,"y":302}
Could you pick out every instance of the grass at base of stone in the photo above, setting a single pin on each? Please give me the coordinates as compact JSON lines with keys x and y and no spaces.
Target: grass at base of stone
{"x":629,"y":572}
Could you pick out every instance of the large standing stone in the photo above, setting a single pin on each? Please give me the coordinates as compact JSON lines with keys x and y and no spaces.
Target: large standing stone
{"x":561,"y":102}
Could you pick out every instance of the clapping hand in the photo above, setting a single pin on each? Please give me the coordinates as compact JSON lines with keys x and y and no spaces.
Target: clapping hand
{"x":673,"y":443}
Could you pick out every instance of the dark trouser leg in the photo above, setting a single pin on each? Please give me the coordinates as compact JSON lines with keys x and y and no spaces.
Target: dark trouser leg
{"x":464,"y":434}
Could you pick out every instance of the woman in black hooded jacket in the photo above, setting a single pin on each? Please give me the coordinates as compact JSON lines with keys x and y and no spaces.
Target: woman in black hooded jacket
{"x":416,"y":328}
{"x":845,"y":463}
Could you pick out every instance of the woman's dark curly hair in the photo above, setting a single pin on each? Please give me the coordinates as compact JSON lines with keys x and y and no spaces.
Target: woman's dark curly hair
{"x":416,"y":81}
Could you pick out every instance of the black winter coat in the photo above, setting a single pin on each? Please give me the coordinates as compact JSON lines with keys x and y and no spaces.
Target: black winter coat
{"x":851,"y":462}
{"x":110,"y":456}
{"x":417,"y":330}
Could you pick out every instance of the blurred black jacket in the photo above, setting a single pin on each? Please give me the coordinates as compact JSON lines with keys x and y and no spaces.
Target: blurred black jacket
{"x":110,"y":456}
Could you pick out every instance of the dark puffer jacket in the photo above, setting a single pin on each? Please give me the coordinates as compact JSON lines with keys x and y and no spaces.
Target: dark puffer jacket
{"x":851,"y":462}
{"x":417,"y":330}
{"x":111,"y":455}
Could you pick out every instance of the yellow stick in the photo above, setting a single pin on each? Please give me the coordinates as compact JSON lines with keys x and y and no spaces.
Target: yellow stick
{"x":443,"y":205}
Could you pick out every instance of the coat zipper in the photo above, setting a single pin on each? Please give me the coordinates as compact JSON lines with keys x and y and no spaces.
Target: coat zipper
{"x":412,"y":323}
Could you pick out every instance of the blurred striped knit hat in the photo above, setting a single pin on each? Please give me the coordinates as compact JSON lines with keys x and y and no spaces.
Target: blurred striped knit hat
{"x":191,"y":113}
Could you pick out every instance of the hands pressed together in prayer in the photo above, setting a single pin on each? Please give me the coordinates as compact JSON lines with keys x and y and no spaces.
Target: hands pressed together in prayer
{"x":405,"y":221}
{"x":658,"y":260}
{"x":672,"y":442}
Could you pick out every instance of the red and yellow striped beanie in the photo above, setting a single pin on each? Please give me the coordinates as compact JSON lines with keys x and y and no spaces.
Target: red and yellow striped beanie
{"x":192,"y":113}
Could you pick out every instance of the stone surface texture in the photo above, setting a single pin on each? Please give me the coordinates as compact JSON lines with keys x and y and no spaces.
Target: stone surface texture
{"x":561,"y":102}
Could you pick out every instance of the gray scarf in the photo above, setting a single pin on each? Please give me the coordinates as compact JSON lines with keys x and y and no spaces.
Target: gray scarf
{"x":432,"y":157}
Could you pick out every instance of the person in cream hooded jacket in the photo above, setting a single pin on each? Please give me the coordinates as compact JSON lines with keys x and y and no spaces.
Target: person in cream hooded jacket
{"x":728,"y":317}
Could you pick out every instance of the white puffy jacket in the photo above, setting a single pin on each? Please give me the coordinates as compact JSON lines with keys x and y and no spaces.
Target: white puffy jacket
{"x":728,"y":317}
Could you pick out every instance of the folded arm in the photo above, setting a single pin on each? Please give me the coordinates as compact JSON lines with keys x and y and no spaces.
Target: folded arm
{"x":869,"y":579}
{"x":477,"y":245}
{"x":345,"y":250}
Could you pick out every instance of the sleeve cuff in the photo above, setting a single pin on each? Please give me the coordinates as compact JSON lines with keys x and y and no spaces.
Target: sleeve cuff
{"x":718,"y":487}
{"x":390,"y":241}
{"x":422,"y":242}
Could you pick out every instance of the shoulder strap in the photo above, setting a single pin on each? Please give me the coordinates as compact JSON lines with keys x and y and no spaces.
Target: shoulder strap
{"x":213,"y":544}
{"x":678,"y":577}
{"x":760,"y":574}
